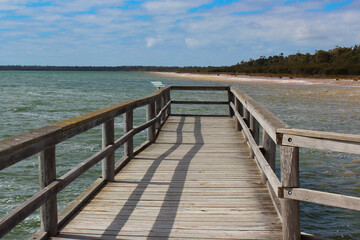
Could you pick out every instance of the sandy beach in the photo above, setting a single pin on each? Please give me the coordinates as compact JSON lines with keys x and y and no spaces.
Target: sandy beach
{"x":252,"y":79}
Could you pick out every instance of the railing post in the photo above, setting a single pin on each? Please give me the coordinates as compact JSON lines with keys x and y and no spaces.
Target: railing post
{"x":290,"y":209}
{"x":237,"y":107}
{"x":163,"y":103}
{"x":246,"y":117}
{"x":230,"y":99}
{"x":128,"y":125}
{"x":269,"y":151}
{"x":150,"y":114}
{"x":47,"y":174}
{"x":157,"y":110}
{"x":254,"y":128}
{"x":168,"y":99}
{"x":108,"y":164}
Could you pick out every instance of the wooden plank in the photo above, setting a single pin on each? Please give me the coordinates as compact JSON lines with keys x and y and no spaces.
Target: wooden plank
{"x":81,"y":168}
{"x":128,"y":126}
{"x":325,"y":198}
{"x":264,"y":165}
{"x":290,"y":209}
{"x":176,"y":190}
{"x":108,"y":163}
{"x":321,"y":135}
{"x":150,"y":114}
{"x":266,"y":119}
{"x":47,"y":175}
{"x":201,"y":102}
{"x":321,"y":144}
{"x":237,"y":108}
{"x":201,"y":88}
{"x":79,"y":201}
{"x":17,"y":148}
{"x":269,"y":151}
{"x":16,"y":216}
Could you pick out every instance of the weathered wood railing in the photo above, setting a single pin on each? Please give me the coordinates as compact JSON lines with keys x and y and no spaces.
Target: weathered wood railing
{"x":250,"y":117}
{"x":43,"y":141}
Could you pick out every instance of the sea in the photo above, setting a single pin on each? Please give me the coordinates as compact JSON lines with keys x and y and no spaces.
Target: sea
{"x":33,"y":99}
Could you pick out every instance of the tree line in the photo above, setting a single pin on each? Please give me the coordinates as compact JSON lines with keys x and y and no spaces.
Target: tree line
{"x":337,"y":61}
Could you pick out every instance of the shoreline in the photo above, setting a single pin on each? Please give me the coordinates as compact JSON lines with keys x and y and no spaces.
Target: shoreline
{"x":258,"y":79}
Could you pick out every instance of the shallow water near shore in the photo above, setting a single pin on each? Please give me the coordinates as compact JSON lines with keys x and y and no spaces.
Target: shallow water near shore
{"x":30,"y":100}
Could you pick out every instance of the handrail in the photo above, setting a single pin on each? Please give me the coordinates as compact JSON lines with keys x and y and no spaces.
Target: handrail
{"x":249,"y":116}
{"x":338,"y":142}
{"x":15,"y":149}
{"x":43,"y":140}
{"x":264,"y":165}
{"x":263,"y":116}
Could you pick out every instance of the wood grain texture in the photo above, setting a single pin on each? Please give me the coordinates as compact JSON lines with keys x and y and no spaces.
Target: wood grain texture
{"x":108,"y":140}
{"x":47,"y":174}
{"x":260,"y":159}
{"x":290,"y":210}
{"x":266,"y":119}
{"x":330,"y":199}
{"x":321,"y":143}
{"x":15,"y":149}
{"x":186,"y":185}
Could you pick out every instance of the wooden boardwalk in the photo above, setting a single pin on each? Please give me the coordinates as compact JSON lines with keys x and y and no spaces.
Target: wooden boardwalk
{"x":196,"y":182}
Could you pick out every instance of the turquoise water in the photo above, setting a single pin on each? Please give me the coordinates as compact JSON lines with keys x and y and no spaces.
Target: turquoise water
{"x":30,"y":100}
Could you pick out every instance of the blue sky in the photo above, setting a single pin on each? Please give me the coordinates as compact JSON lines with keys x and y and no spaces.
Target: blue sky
{"x":170,"y":32}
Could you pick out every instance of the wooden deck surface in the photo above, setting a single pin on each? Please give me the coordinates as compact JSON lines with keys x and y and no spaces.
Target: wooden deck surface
{"x":195,"y":182}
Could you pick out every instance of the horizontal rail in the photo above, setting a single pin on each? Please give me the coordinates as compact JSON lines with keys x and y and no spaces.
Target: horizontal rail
{"x":201,"y":88}
{"x":15,"y":217}
{"x":33,"y":143}
{"x":338,"y":142}
{"x":325,"y":198}
{"x":15,"y":149}
{"x":77,"y":171}
{"x":265,"y":118}
{"x":264,"y":165}
{"x":201,"y":102}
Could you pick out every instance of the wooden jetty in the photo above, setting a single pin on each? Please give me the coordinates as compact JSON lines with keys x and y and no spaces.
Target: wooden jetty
{"x":196,"y":177}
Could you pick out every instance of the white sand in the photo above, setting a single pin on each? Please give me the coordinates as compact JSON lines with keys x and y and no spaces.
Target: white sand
{"x":249,"y":79}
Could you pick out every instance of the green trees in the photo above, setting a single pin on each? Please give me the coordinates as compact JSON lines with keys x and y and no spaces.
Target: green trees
{"x":337,"y":61}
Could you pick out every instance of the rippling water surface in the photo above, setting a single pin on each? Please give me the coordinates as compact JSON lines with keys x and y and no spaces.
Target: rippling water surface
{"x":29,"y":100}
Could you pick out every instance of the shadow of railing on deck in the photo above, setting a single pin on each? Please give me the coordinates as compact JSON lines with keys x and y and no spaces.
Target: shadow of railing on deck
{"x":172,"y":199}
{"x":131,"y":203}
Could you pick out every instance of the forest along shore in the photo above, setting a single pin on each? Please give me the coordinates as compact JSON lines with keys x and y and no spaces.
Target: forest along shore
{"x":252,"y":79}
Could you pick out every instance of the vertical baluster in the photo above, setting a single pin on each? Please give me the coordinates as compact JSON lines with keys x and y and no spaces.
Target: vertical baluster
{"x":168,"y":99}
{"x":47,"y":174}
{"x":163,"y":103}
{"x":128,"y":126}
{"x":150,"y":115}
{"x":269,"y":151}
{"x":254,"y":128}
{"x":157,"y":110}
{"x":230,"y":99}
{"x":290,"y":209}
{"x":238,"y":108}
{"x":246,"y":117}
{"x":108,"y":164}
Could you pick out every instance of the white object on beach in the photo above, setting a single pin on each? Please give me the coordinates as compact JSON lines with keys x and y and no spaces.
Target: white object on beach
{"x":158,"y":84}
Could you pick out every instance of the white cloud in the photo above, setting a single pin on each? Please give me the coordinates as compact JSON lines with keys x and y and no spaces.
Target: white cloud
{"x":168,"y":24}
{"x":151,"y":42}
{"x":172,"y":6}
{"x":190,"y":42}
